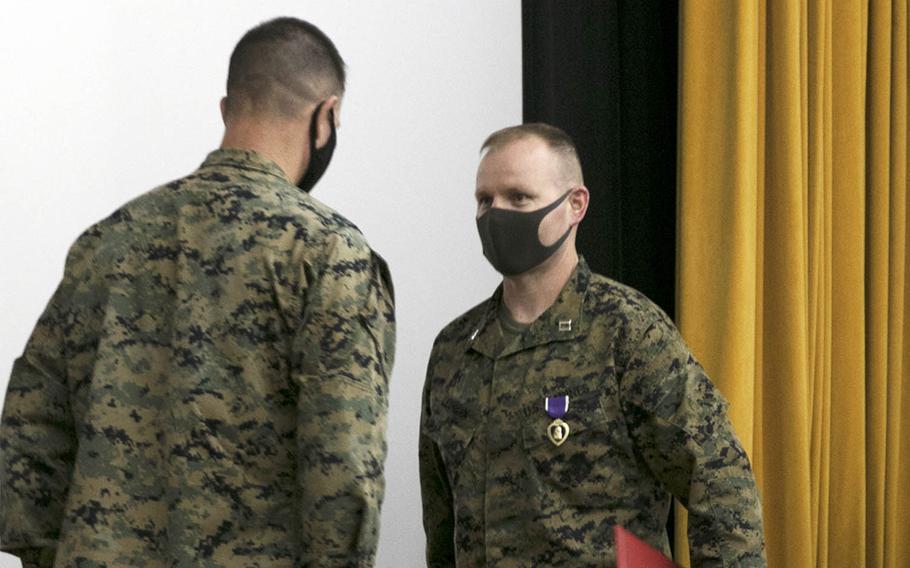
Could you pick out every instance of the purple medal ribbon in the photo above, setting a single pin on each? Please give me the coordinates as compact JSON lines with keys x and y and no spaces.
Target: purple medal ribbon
{"x":556,"y":406}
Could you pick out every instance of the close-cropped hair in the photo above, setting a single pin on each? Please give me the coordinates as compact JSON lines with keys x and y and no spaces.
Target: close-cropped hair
{"x":555,"y":138}
{"x":281,"y":66}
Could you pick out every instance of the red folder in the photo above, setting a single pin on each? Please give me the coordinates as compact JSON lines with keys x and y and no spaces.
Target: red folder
{"x":631,"y":552}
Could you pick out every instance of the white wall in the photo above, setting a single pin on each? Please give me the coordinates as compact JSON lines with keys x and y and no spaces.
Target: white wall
{"x":102,"y":101}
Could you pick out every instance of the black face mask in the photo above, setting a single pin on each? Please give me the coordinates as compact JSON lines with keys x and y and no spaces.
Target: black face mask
{"x":319,"y":157}
{"x":510,"y":240}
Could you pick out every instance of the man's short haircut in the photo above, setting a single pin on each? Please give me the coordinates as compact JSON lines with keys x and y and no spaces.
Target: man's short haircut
{"x":555,"y":138}
{"x":281,"y":66}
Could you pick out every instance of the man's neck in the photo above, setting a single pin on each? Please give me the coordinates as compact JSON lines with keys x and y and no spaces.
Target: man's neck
{"x":273,"y":145}
{"x":528,"y":295}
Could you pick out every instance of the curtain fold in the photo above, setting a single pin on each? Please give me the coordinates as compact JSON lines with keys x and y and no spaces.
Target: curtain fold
{"x":792,"y":260}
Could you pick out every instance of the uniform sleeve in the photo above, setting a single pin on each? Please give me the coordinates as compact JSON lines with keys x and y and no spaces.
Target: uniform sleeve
{"x":37,"y":444}
{"x":435,"y":493}
{"x":679,"y":422}
{"x":345,"y":349}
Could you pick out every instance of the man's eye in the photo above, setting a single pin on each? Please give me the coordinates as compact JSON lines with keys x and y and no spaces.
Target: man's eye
{"x":519,"y":198}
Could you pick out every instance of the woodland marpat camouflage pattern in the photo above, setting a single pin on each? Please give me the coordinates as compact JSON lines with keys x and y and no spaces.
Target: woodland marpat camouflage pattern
{"x":207,"y":387}
{"x":645,"y":423}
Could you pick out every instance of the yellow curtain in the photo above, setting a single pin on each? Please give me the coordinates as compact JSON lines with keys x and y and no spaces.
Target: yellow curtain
{"x":793,"y":261}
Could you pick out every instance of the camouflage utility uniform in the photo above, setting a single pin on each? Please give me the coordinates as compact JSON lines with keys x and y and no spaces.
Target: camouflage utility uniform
{"x":645,"y":423}
{"x":207,"y":387}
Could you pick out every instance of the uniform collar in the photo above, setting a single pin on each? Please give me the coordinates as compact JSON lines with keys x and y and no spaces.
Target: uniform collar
{"x":245,"y":160}
{"x":560,"y":322}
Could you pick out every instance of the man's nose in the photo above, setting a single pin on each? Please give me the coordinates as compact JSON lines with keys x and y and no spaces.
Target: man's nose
{"x":499,"y":203}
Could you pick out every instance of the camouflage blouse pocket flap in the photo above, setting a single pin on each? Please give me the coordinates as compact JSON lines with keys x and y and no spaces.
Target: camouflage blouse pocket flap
{"x":453,"y":443}
{"x":453,"y":440}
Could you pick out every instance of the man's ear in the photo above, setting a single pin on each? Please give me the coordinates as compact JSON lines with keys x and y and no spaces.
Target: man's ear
{"x":578,"y":202}
{"x":328,"y":114}
{"x":223,"y":106}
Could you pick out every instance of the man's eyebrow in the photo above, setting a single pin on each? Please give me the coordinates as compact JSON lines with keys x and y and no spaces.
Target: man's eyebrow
{"x":511,"y":190}
{"x":508,"y":190}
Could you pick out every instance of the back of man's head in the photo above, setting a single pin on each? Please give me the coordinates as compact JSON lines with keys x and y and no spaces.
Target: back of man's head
{"x":280,"y":67}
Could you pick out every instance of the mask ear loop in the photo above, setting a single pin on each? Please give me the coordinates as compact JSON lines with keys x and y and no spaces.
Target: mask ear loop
{"x":549,"y":209}
{"x":556,"y":203}
{"x":316,"y":167}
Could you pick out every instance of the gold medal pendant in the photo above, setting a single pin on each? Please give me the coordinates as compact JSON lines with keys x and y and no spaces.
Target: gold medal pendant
{"x":556,"y":407}
{"x":558,"y":431}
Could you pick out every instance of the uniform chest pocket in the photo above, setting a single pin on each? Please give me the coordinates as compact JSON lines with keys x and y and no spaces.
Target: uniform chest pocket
{"x":454,"y":440}
{"x":579,"y":468}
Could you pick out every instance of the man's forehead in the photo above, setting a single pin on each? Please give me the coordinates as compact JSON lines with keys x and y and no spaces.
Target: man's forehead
{"x":515,"y":162}
{"x":503,"y":182}
{"x":524,"y":147}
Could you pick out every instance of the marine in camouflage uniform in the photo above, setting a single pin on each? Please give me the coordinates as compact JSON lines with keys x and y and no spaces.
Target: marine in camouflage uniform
{"x":645,"y":423}
{"x":208,"y":386}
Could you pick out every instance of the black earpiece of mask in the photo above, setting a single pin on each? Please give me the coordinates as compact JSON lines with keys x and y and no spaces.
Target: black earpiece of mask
{"x":319,"y":157}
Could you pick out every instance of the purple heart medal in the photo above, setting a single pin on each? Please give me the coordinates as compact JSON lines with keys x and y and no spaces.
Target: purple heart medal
{"x":556,"y":407}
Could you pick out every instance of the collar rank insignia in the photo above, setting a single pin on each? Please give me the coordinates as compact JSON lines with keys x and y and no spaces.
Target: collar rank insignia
{"x":556,"y":407}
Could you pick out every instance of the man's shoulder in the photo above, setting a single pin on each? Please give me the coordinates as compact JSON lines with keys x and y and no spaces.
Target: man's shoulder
{"x":267,"y":203}
{"x":114,"y":230}
{"x":329,"y":223}
{"x":270,"y":211}
{"x":307,"y":210}
{"x":622,"y":304}
{"x":459,"y":330}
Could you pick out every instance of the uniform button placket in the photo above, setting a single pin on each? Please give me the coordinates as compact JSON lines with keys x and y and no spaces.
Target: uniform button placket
{"x":489,"y":407}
